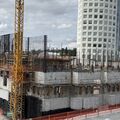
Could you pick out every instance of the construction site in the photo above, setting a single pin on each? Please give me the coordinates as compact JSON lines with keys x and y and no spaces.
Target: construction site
{"x":42,"y":83}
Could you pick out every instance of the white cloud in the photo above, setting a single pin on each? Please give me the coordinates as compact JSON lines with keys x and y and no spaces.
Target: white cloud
{"x":55,"y":18}
{"x":3,"y":26}
{"x":64,"y":26}
{"x":72,"y":45}
{"x":3,"y":14}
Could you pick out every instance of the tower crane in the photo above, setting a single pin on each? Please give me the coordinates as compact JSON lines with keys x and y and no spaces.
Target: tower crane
{"x":16,"y":96}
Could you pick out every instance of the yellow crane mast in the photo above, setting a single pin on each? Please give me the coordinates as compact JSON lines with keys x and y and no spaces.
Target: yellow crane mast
{"x":16,"y":95}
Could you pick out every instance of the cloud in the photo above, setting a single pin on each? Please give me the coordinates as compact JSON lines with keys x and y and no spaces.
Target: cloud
{"x":3,"y":25}
{"x":56,"y":18}
{"x":72,"y":45}
{"x":62,"y":26}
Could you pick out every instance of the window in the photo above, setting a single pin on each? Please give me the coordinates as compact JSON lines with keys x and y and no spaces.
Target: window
{"x":83,"y":50}
{"x":109,"y":34}
{"x":94,"y":50}
{"x":89,"y":39}
{"x":84,"y":39}
{"x":5,"y":80}
{"x":110,"y":17}
{"x":89,"y":27}
{"x":94,"y":45}
{"x":100,"y":27}
{"x":113,"y":46}
{"x":89,"y":33}
{"x":99,"y":45}
{"x":85,"y":4}
{"x":84,"y":16}
{"x":99,"y":57}
{"x":113,"y":17}
{"x":90,"y":21}
{"x":95,"y":33}
{"x":100,"y":33}
{"x":113,"y":24}
{"x":84,"y":33}
{"x":104,"y":45}
{"x":105,"y":28}
{"x":114,"y":12}
{"x":113,"y":35}
{"x":106,"y":16}
{"x":100,"y":22}
{"x":99,"y":51}
{"x":106,"y":5}
{"x":89,"y":45}
{"x":106,"y":10}
{"x":101,"y":10}
{"x":84,"y":27}
{"x":95,"y":10}
{"x":100,"y":39}
{"x":109,"y":40}
{"x":96,"y":4}
{"x":101,"y":16}
{"x":90,"y":10}
{"x":110,"y":11}
{"x":90,"y":4}
{"x":94,"y":39}
{"x":110,"y":5}
{"x":113,"y":29}
{"x":85,"y":10}
{"x":95,"y":16}
{"x":105,"y":34}
{"x":90,"y":16}
{"x":105,"y":22}
{"x":85,"y":22}
{"x":109,"y":28}
{"x":95,"y":27}
{"x":101,"y":4}
{"x":84,"y":45}
{"x":89,"y":51}
{"x":95,"y":22}
{"x":105,"y":40}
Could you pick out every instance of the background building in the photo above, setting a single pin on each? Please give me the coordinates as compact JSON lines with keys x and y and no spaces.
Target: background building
{"x":98,"y":30}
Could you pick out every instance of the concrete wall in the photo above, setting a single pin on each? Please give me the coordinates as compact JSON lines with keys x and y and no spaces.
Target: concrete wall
{"x":91,"y":77}
{"x":113,"y":76}
{"x":76,"y":102}
{"x":86,"y":77}
{"x":53,"y":77}
{"x":85,"y":102}
{"x":112,"y":99}
{"x":55,"y":103}
{"x":94,"y":101}
{"x":4,"y":94}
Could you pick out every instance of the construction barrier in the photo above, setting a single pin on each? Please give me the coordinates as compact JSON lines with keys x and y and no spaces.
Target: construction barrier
{"x":81,"y":115}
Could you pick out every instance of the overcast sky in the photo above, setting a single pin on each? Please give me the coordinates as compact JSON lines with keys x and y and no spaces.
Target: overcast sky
{"x":55,"y":18}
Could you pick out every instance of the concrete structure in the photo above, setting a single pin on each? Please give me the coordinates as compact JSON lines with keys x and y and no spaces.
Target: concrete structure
{"x":54,"y":84}
{"x":98,"y":30}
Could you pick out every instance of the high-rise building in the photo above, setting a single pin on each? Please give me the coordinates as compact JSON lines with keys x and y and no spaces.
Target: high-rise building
{"x":98,"y":30}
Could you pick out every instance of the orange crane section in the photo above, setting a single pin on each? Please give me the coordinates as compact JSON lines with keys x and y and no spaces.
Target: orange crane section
{"x":16,"y":96}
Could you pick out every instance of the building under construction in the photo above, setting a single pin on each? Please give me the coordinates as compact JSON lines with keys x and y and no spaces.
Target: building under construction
{"x":55,"y":83}
{"x":37,"y":81}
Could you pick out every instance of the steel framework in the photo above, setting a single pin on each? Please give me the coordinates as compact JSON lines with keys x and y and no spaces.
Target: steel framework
{"x":16,"y":97}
